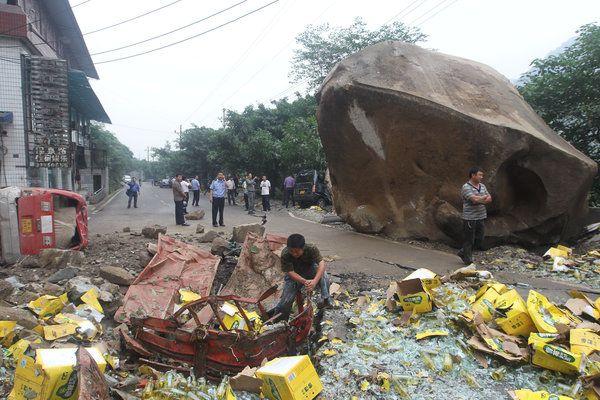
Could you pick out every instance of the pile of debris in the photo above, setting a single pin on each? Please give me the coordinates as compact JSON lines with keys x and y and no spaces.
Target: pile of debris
{"x":461,"y":336}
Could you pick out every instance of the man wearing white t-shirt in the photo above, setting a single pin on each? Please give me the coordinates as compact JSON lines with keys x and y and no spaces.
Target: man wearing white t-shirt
{"x":265,"y":191}
{"x":185,"y":187}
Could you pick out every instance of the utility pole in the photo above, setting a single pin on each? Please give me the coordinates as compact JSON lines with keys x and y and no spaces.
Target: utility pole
{"x":148,"y":154}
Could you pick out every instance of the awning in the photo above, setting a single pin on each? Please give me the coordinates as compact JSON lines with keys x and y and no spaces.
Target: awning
{"x":83,"y":98}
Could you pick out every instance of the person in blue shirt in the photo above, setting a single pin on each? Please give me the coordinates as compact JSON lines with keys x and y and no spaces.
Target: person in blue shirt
{"x":132,"y":192}
{"x":218,"y":191}
{"x":196,"y":190}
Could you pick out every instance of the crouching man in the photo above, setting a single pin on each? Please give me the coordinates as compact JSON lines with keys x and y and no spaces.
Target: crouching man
{"x":303,"y":267}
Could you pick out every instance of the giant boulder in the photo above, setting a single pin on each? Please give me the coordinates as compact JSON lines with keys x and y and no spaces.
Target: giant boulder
{"x":401,"y":126}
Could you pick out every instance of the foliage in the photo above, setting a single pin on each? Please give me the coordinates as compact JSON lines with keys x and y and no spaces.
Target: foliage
{"x":119,"y":157}
{"x":323,"y":46}
{"x":273,"y":141}
{"x":565,"y":90}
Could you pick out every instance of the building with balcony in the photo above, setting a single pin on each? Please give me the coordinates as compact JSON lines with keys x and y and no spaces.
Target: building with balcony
{"x":46,"y":101}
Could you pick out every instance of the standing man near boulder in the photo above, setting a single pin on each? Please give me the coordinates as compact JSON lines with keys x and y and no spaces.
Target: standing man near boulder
{"x":288,"y":191}
{"x":304,"y":268}
{"x":178,"y":198}
{"x":475,"y":196}
{"x":218,"y":191}
{"x":195,"y":190}
{"x":251,"y":188}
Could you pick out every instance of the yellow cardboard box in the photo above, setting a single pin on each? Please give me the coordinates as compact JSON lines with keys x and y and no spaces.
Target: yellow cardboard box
{"x":584,"y":341}
{"x":485,"y":299}
{"x":542,"y":337}
{"x":51,"y":376}
{"x":430,"y":279}
{"x":290,"y":378}
{"x":556,"y":358}
{"x":517,"y":321}
{"x":232,"y":318}
{"x":544,"y":314}
{"x":412,"y":295}
{"x":47,"y":305}
{"x":526,"y":394}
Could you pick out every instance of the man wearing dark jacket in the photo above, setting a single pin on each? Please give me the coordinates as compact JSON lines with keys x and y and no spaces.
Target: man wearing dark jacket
{"x":179,"y":197}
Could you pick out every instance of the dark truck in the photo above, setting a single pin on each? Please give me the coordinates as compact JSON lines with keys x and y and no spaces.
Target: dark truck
{"x":311,"y":189}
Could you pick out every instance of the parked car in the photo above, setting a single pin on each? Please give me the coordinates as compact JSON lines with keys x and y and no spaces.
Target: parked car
{"x":32,"y":219}
{"x":311,"y":189}
{"x":126,"y":178}
{"x":165,"y":183}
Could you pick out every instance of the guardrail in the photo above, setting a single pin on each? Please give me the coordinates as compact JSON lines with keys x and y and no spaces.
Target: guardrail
{"x":97,"y":196}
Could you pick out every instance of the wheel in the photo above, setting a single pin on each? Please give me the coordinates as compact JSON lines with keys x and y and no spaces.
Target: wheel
{"x":322,"y":203}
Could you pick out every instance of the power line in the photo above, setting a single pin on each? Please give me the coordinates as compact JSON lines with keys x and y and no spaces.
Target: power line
{"x":286,"y":45}
{"x":428,"y":18}
{"x":421,"y":2}
{"x":80,"y":4}
{"x":188,"y":38}
{"x":132,"y":18}
{"x":428,"y":11}
{"x":239,"y":61}
{"x":172,"y":31}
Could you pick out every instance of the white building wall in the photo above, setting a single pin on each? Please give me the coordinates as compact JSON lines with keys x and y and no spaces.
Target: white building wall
{"x":13,"y":152}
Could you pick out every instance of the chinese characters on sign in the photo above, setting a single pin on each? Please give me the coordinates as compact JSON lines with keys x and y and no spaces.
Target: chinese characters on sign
{"x":49,"y":140}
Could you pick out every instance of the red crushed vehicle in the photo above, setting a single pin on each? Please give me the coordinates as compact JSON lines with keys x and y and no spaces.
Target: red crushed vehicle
{"x":33,"y":219}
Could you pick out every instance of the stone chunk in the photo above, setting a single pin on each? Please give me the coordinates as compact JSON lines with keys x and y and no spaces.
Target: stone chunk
{"x":152,"y":231}
{"x":62,"y":274}
{"x":208,"y":237}
{"x":53,"y":258}
{"x":195,"y":215}
{"x":240,"y":231}
{"x":116,"y":275}
{"x":219,"y":246}
{"x":199,"y":228}
{"x":23,"y":317}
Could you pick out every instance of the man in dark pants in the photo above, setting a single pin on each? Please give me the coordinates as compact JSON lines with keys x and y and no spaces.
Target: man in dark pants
{"x":178,"y":198}
{"x":218,"y":191}
{"x":475,"y":196}
{"x":288,"y":191}
{"x":195,"y":190}
{"x":304,"y":268}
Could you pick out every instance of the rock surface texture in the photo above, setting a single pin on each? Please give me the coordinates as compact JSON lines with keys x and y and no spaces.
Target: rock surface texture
{"x":402,"y":125}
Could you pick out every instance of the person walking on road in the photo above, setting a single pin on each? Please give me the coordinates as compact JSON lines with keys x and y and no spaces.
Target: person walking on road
{"x":288,"y":191}
{"x":195,"y":186}
{"x":178,"y":198}
{"x":304,"y":267}
{"x":218,"y":190}
{"x":475,"y":196}
{"x":133,"y":191}
{"x":230,"y":191}
{"x":251,"y":189}
{"x":265,"y":191}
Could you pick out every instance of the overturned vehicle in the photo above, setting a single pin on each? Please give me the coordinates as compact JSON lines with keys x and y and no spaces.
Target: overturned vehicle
{"x":176,"y":323}
{"x":33,"y":219}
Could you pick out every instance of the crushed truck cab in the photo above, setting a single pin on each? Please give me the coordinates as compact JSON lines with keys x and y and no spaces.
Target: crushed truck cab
{"x":33,"y":219}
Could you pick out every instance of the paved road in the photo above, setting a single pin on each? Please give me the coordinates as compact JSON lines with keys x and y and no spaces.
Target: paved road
{"x":375,"y":256}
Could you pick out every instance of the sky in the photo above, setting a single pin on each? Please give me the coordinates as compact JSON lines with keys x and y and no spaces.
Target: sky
{"x":248,"y":61}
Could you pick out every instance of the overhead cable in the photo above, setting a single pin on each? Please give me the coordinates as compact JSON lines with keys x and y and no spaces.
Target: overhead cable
{"x":132,"y":18}
{"x":188,"y":38}
{"x":171,"y":31}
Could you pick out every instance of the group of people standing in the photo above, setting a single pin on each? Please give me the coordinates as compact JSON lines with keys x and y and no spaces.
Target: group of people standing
{"x":220,"y":189}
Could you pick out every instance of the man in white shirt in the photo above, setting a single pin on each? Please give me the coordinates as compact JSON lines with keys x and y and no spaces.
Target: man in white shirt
{"x":185,"y":187}
{"x":265,"y":191}
{"x":230,"y":191}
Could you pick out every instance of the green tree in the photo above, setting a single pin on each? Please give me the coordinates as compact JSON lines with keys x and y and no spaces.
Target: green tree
{"x":119,"y":158}
{"x":323,"y":46}
{"x":565,"y":90}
